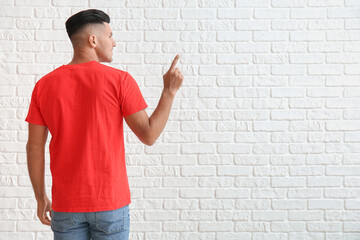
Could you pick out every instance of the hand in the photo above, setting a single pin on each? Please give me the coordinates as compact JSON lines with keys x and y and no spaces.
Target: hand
{"x":43,"y":207}
{"x":173,"y":77}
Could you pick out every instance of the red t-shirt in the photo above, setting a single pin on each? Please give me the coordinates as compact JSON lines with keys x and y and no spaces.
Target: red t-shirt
{"x":83,"y":106}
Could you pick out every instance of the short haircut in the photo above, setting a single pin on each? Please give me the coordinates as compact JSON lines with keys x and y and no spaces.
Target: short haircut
{"x":80,"y":20}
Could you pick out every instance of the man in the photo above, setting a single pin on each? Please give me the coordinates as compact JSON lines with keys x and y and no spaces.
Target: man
{"x":83,"y":105}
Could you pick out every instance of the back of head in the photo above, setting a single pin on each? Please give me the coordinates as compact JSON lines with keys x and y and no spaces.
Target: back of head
{"x":80,"y":20}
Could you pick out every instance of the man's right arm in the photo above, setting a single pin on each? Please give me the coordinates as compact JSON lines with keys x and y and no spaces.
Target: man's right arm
{"x":149,"y":129}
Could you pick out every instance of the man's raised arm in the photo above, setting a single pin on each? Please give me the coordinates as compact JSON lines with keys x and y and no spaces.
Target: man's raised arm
{"x":149,"y":129}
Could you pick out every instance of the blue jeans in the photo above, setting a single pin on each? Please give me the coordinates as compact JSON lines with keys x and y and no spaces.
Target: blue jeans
{"x":103,"y":225}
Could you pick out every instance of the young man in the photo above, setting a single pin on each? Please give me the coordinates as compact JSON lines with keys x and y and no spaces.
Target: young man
{"x":83,"y":105}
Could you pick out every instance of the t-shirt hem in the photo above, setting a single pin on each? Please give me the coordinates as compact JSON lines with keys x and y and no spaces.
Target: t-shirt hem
{"x":35,"y":122}
{"x":136,"y":110}
{"x":90,"y":209}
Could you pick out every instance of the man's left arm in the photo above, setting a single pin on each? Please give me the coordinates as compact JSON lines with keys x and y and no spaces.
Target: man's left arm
{"x":35,"y":151}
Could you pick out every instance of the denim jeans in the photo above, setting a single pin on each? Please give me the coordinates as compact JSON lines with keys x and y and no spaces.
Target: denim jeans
{"x":103,"y":225}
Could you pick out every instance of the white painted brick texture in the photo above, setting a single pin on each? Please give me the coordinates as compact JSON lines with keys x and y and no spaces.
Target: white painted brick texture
{"x":263,"y":140}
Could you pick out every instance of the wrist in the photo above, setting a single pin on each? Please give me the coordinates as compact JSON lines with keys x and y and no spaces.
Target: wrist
{"x":41,"y":198}
{"x":168,"y":92}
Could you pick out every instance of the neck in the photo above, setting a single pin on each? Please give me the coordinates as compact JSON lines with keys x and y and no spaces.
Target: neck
{"x":81,"y":56}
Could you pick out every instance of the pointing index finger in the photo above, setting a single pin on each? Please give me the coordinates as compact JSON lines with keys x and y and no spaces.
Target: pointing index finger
{"x":173,"y":64}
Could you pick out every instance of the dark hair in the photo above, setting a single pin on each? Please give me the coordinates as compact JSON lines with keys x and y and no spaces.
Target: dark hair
{"x":81,"y":19}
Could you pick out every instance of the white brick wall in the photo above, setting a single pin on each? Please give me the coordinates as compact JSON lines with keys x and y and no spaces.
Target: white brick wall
{"x":263,"y":139}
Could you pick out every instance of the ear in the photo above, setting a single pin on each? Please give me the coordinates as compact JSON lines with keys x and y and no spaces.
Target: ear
{"x":92,"y":41}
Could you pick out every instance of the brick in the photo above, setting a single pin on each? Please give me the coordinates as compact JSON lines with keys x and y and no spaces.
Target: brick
{"x":259,"y":226}
{"x":342,"y":35}
{"x":233,"y":148}
{"x":273,"y":36}
{"x":270,"y":171}
{"x":343,"y":12}
{"x":199,"y":13}
{"x":198,"y":148}
{"x":193,"y":215}
{"x":288,"y":182}
{"x":305,"y":215}
{"x":296,"y":47}
{"x":228,"y":103}
{"x":223,"y":226}
{"x":252,"y":25}
{"x":288,"y":70}
{"x":287,"y":114}
{"x":229,"y":13}
{"x":324,"y":226}
{"x":351,"y":226}
{"x":161,"y":215}
{"x":274,"y":215}
{"x":178,"y":4}
{"x":220,"y":25}
{"x":308,"y":13}
{"x":289,"y":204}
{"x":307,"y":170}
{"x":234,"y":171}
{"x":233,"y":236}
{"x":270,"y":126}
{"x":339,"y":215}
{"x":324,"y":182}
{"x":215,"y":137}
{"x":271,"y":13}
{"x":216,"y":204}
{"x":288,"y":25}
{"x":305,"y":193}
{"x":154,"y":36}
{"x":302,"y":236}
{"x":177,"y":227}
{"x":323,"y":47}
{"x":17,"y":12}
{"x":326,"y":204}
{"x":197,"y":171}
{"x":232,"y":193}
{"x":268,"y":193}
{"x":352,"y":204}
{"x":307,"y":36}
{"x":161,"y":193}
{"x":215,"y":4}
{"x":352,"y":181}
{"x":216,"y":182}
{"x":288,"y":3}
{"x":342,"y":193}
{"x":325,"y":3}
{"x":252,"y":182}
{"x":287,"y":227}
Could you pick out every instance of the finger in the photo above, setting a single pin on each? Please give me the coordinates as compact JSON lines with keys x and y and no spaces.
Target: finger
{"x":45,"y":221}
{"x":173,"y":64}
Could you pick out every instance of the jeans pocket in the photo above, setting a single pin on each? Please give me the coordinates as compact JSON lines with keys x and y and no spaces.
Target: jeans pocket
{"x":113,"y":221}
{"x":61,"y":221}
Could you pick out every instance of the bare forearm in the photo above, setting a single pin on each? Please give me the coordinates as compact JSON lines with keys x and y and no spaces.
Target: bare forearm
{"x":36,"y":168}
{"x":149,"y":129}
{"x":160,"y":116}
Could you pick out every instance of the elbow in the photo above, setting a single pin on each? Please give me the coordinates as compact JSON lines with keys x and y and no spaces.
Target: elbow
{"x":148,"y":137}
{"x":149,"y":141}
{"x":34,"y":148}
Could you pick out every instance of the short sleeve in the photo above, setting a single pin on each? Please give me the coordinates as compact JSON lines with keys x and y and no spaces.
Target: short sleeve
{"x":131,"y":99}
{"x":34,"y":115}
